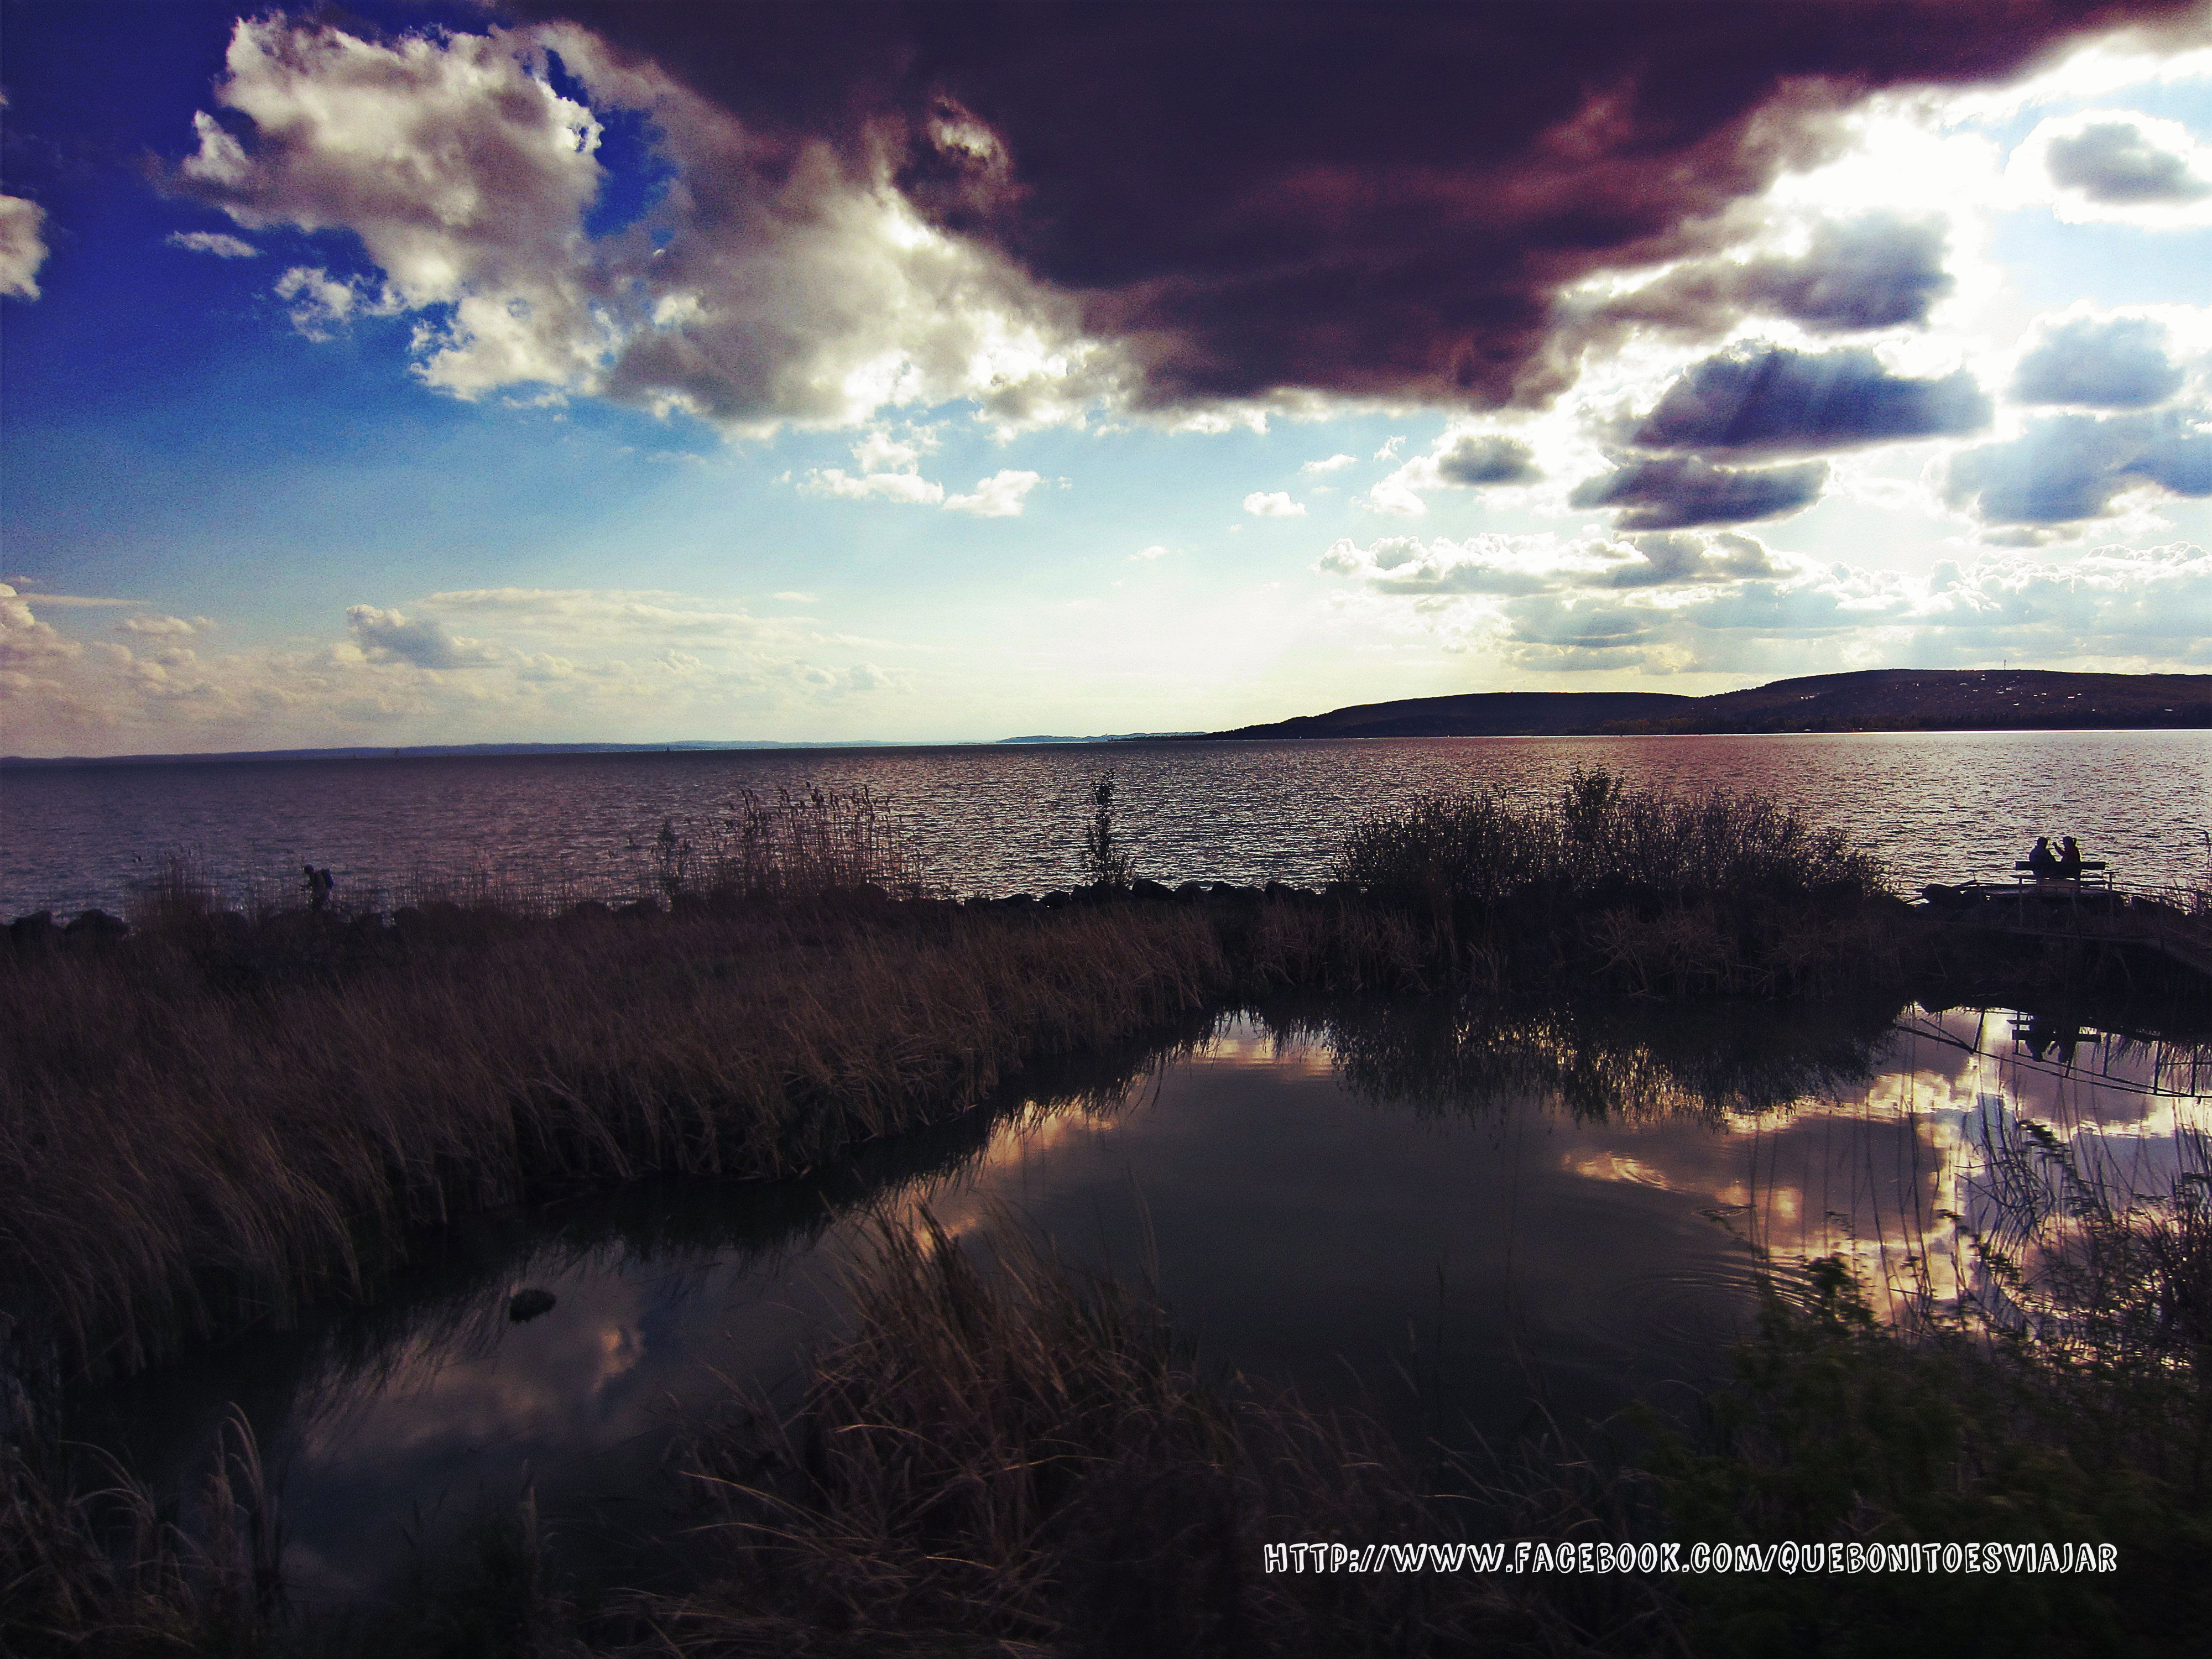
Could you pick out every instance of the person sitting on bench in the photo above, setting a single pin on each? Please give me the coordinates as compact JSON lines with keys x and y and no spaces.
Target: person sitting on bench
{"x":2070,"y":860}
{"x":2042,"y":862}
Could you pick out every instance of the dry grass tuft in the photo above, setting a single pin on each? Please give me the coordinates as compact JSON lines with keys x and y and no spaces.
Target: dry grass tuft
{"x":102,"y":1573}
{"x":1004,"y":1458}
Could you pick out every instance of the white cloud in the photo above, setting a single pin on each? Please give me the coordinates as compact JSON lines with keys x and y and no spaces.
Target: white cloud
{"x":25,"y":641}
{"x":1463,"y":457}
{"x":1273,"y":504}
{"x":1713,"y":601}
{"x":1333,"y":464}
{"x":554,"y":662}
{"x":215,"y":242}
{"x":321,"y":304}
{"x":1155,"y":551}
{"x":774,"y":283}
{"x":172,"y":627}
{"x":999,"y":496}
{"x":908,"y":487}
{"x":387,"y":635}
{"x":22,"y":247}
{"x":888,"y":470}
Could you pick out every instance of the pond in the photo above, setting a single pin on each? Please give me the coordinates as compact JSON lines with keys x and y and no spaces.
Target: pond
{"x":1472,"y":1221}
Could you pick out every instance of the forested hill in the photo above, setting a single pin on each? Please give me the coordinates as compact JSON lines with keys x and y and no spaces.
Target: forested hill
{"x":1874,"y":700}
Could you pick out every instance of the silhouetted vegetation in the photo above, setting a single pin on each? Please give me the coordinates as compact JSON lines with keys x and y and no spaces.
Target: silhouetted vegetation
{"x":1619,"y":890}
{"x":215,"y":1119}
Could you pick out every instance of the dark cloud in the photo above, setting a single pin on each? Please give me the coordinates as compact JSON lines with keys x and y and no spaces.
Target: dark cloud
{"x":1875,"y":271}
{"x":1673,"y":559}
{"x":2117,"y":163}
{"x":2117,"y":363}
{"x":1677,"y":492}
{"x":2069,"y":467}
{"x":1879,"y":272}
{"x":1583,"y":625}
{"x":1488,"y":459}
{"x":1377,"y":199}
{"x":1762,"y":397}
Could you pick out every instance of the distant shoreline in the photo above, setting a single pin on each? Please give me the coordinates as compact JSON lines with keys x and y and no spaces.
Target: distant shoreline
{"x":557,"y":751}
{"x":1871,"y":700}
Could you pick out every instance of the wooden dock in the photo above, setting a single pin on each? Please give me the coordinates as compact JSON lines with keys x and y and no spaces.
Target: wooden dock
{"x":2092,"y":914}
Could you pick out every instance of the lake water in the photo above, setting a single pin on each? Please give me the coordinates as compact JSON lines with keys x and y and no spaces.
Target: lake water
{"x":1470,"y":1221}
{"x":1947,"y":806}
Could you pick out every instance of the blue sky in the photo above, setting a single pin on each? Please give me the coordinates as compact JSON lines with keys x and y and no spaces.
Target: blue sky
{"x":446,"y":376}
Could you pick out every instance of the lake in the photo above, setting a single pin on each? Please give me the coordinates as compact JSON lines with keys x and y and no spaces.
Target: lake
{"x":1942,"y":806}
{"x":1470,"y":1221}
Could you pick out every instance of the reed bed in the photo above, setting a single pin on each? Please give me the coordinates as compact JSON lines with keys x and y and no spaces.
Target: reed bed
{"x":198,"y":1130}
{"x":1003,"y":1458}
{"x":1642,"y":891}
{"x":792,"y":845}
{"x":106,"y":1574}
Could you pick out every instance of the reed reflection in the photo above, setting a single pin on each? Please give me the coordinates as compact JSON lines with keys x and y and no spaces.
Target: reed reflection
{"x":1475,"y":1219}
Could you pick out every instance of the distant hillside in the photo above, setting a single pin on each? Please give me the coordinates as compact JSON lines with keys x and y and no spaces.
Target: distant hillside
{"x":1874,"y":700}
{"x":1108,"y":737}
{"x":1478,"y":714}
{"x":1946,"y":700}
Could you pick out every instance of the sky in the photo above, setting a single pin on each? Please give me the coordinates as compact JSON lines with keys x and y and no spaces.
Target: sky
{"x":410,"y":373}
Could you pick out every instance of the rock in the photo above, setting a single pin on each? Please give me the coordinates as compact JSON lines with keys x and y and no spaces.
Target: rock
{"x":98,"y":926}
{"x":32,"y":931}
{"x":527,"y":1304}
{"x":1150,"y":889}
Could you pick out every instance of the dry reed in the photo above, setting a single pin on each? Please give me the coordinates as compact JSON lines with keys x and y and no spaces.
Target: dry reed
{"x":104,"y":1574}
{"x":1627,"y":890}
{"x":200,"y":1129}
{"x":1004,"y":1458}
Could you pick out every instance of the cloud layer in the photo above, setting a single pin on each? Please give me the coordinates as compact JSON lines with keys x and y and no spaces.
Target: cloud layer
{"x":1725,"y":602}
{"x":468,"y":664}
{"x":1036,"y":206}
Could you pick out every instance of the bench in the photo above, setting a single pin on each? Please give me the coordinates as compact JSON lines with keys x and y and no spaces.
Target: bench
{"x":2088,"y":875}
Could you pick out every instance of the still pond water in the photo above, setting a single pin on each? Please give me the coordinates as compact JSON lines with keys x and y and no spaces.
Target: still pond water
{"x":1467,"y":1222}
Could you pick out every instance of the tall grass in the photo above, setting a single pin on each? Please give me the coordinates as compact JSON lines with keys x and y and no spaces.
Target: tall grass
{"x":105,"y":1573}
{"x":1599,"y":842}
{"x":1002,"y":1458}
{"x":1635,"y":890}
{"x":800,"y":845}
{"x":198,"y":1130}
{"x":1839,"y":1428}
